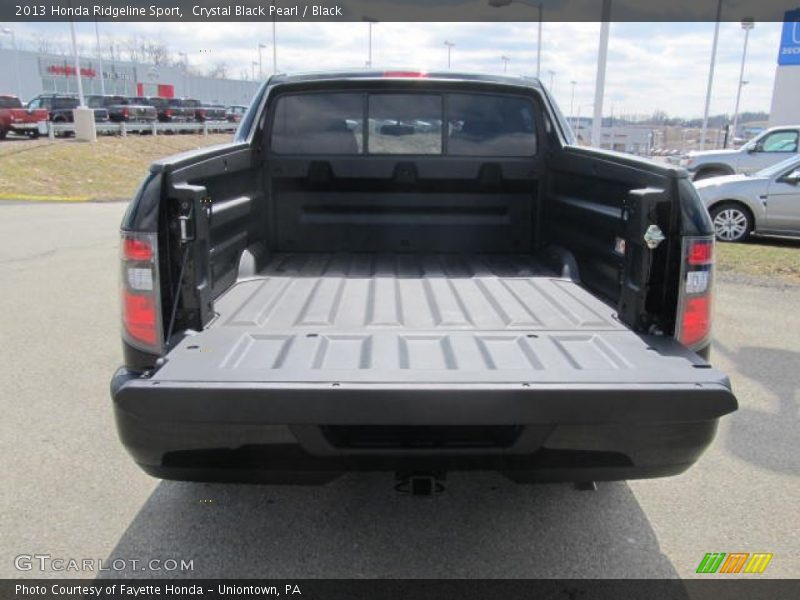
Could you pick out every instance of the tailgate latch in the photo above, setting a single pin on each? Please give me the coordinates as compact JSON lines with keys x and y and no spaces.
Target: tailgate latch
{"x":186,"y":220}
{"x":653,"y":237}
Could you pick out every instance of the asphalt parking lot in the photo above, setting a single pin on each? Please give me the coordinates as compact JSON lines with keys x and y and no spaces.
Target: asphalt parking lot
{"x":72,"y":492}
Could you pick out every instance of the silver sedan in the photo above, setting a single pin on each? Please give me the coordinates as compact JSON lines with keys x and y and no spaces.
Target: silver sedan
{"x":767,"y":202}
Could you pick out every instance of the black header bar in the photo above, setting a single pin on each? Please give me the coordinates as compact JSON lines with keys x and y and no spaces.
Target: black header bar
{"x":390,"y":10}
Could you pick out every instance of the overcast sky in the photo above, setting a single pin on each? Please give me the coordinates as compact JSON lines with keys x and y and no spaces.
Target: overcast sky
{"x":650,"y":65}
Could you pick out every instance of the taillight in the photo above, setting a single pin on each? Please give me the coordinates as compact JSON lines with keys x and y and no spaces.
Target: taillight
{"x":168,"y":112}
{"x":694,"y":305}
{"x":139,"y":317}
{"x":141,"y":298}
{"x":136,"y":249}
{"x":701,"y":252}
{"x":125,"y":112}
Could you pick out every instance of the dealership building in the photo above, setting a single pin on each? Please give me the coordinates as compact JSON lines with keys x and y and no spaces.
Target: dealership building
{"x":42,"y":73}
{"x":785,"y":108}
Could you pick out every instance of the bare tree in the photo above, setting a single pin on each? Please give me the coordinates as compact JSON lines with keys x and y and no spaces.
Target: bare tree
{"x":142,"y":50}
{"x":156,"y":52}
{"x":131,"y":48}
{"x":111,"y":50}
{"x":44,"y":44}
{"x":219,"y":70}
{"x":48,"y":45}
{"x":659,"y":116}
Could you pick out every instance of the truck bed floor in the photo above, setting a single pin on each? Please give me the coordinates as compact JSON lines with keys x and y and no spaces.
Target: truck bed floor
{"x":421,"y":318}
{"x":347,"y":292}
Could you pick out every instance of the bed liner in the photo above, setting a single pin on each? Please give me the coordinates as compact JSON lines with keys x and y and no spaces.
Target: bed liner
{"x":404,"y":318}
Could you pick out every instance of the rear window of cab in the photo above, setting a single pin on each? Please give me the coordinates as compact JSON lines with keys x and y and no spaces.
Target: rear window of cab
{"x":453,"y":124}
{"x":10,"y":102}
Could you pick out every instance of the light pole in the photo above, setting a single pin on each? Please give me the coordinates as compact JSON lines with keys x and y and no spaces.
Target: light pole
{"x":85,"y":127}
{"x":260,"y":63}
{"x":81,"y":101}
{"x":736,"y":112}
{"x":370,"y":22}
{"x":711,"y":76}
{"x":552,"y":79}
{"x":185,"y":72}
{"x":747,"y":25}
{"x":274,"y":44}
{"x":100,"y":59}
{"x":600,"y":81}
{"x":577,"y":125}
{"x":501,"y":3}
{"x":9,"y":31}
{"x":573,"y":83}
{"x":505,"y":60}
{"x":253,"y":65}
{"x":449,"y":48}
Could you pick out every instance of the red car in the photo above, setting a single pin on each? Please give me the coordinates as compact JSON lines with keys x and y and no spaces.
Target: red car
{"x":15,"y":118}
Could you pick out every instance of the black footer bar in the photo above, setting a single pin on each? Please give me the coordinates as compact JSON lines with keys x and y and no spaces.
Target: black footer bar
{"x":739,"y":588}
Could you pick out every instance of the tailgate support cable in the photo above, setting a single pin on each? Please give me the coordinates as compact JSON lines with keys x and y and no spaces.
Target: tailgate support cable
{"x":177,"y":293}
{"x":185,"y":217}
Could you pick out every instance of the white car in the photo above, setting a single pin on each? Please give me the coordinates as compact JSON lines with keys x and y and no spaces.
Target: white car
{"x":771,"y":147}
{"x":765,"y":203}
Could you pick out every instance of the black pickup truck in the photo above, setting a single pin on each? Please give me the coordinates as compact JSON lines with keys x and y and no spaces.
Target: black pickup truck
{"x":60,"y":107}
{"x":122,"y":109}
{"x":168,"y":110}
{"x":205,"y":112}
{"x":328,"y":294}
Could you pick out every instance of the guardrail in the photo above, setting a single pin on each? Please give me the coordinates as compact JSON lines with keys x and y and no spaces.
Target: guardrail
{"x":123,"y":129}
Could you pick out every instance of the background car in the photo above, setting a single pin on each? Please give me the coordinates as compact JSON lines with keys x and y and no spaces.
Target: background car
{"x":765,"y":203}
{"x":198,"y":111}
{"x":210,"y":112}
{"x":771,"y":147}
{"x":122,"y":109}
{"x":167,"y":110}
{"x":15,"y":118}
{"x":60,"y":107}
{"x":235,"y":113}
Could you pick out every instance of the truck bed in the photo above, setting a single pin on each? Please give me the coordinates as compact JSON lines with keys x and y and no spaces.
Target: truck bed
{"x":403,"y":318}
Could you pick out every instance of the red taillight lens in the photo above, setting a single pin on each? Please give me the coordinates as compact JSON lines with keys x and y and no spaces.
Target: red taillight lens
{"x":139,"y":316}
{"x":696,"y":322}
{"x":168,"y":112}
{"x":141,"y":298}
{"x":694,"y":312}
{"x":125,"y":112}
{"x":406,"y":74}
{"x":136,"y":249}
{"x":701,"y":252}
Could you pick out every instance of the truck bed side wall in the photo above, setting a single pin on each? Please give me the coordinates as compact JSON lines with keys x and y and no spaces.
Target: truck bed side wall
{"x":571,"y":198}
{"x":598,"y":206}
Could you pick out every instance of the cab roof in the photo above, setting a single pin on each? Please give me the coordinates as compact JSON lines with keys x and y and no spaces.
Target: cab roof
{"x":405,"y":74}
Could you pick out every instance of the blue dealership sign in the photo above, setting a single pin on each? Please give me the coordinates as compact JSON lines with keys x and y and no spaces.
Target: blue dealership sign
{"x":789,"y":54}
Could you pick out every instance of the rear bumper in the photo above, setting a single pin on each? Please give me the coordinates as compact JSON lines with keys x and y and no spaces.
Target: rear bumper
{"x":132,"y":119}
{"x":24,"y":127}
{"x":280,"y":433}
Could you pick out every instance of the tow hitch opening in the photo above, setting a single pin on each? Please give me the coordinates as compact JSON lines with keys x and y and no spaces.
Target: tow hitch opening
{"x":420,"y":484}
